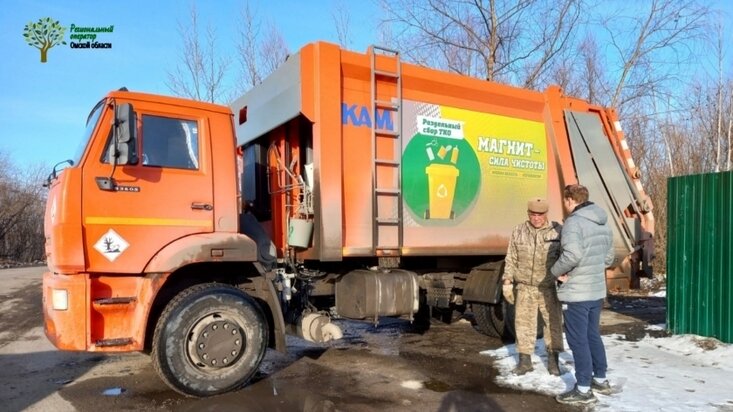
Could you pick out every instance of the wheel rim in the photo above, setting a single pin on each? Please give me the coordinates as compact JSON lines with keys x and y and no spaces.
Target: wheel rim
{"x":216,"y":341}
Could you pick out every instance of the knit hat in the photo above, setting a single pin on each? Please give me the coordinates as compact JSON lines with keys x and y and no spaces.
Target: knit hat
{"x":538,"y":205}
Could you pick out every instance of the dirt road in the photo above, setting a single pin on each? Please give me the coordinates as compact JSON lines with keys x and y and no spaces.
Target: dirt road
{"x":390,"y":367}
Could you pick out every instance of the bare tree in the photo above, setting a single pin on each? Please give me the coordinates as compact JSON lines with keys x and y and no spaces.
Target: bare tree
{"x":723,"y":106}
{"x":342,"y":23}
{"x":551,"y":39}
{"x":258,"y":55}
{"x":247,"y":49}
{"x":651,"y":44}
{"x":729,"y":132}
{"x":649,"y":54}
{"x":22,"y":205}
{"x":582,"y":74}
{"x":719,"y":107}
{"x":201,"y":71}
{"x":273,"y":50}
{"x":510,"y":41}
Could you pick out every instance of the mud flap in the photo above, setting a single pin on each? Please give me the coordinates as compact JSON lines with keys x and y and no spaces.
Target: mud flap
{"x":482,"y":284}
{"x":265,"y":291}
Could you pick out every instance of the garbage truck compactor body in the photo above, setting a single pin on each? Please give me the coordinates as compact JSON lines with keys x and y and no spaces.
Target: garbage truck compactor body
{"x":345,"y":185}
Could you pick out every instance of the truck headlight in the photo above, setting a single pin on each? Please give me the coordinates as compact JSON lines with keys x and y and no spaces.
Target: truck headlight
{"x":60,"y":299}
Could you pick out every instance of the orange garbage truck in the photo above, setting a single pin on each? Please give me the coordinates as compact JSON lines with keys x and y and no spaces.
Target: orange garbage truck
{"x":346,"y":185}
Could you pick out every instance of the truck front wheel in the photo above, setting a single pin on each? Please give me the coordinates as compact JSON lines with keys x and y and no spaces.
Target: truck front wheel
{"x":210,"y":339}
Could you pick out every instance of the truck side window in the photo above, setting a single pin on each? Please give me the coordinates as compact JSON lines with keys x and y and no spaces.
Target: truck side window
{"x":169,"y":142}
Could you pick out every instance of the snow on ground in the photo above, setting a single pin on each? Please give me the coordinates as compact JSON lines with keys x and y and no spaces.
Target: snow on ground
{"x":676,"y":373}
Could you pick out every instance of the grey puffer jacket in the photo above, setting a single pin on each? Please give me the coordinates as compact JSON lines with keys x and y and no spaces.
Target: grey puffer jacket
{"x":587,"y":249}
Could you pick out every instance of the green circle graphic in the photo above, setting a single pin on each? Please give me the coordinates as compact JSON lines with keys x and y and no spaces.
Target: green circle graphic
{"x":424,"y":151}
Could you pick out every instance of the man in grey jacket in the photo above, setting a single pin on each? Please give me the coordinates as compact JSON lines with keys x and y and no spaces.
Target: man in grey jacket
{"x":587,"y":249}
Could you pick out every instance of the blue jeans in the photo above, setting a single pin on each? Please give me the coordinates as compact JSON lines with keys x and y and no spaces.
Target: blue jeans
{"x":582,"y":329}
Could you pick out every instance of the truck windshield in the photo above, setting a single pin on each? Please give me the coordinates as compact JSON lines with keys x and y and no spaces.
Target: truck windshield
{"x":92,"y":120}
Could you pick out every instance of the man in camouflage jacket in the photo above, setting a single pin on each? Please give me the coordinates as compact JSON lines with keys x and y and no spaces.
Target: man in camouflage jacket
{"x":533,"y":248}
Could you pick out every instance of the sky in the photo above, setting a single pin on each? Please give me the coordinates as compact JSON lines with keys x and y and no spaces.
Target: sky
{"x":675,"y":373}
{"x":43,"y":107}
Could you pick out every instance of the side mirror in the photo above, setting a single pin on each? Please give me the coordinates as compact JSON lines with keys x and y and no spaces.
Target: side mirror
{"x":123,"y":151}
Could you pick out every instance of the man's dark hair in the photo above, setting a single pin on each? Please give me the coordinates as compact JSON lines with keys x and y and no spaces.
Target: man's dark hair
{"x":578,"y":193}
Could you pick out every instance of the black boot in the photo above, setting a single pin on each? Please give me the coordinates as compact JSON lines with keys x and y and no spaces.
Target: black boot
{"x":553,"y":363}
{"x":524,"y":365}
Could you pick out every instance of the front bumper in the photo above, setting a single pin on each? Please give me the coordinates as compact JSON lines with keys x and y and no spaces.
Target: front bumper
{"x":67,"y":328}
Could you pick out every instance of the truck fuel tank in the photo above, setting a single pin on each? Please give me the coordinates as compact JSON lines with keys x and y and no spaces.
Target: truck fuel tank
{"x":363,"y":293}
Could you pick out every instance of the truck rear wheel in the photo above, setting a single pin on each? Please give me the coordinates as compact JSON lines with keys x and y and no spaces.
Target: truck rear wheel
{"x":482,"y":316}
{"x":495,"y":320}
{"x":498,"y":321}
{"x":210,"y":339}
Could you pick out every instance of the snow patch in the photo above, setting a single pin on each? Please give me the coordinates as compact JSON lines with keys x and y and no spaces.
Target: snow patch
{"x":661,"y":326}
{"x":411,"y":384}
{"x":676,"y":373}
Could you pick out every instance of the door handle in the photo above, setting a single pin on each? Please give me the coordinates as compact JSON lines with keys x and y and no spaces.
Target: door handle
{"x":201,"y":206}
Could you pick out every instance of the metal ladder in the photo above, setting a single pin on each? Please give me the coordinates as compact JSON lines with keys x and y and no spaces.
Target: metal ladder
{"x":386,"y":155}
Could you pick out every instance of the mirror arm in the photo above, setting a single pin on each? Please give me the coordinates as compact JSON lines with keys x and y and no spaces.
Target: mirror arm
{"x":54,"y":172}
{"x":109,"y":183}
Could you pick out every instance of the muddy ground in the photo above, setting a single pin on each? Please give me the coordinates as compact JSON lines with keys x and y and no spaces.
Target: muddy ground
{"x":391,"y":367}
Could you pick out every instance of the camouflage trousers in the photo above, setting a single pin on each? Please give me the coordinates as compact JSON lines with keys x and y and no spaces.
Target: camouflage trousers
{"x":529,"y":300}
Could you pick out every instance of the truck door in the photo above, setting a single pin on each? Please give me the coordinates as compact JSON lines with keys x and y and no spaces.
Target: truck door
{"x":165,"y":194}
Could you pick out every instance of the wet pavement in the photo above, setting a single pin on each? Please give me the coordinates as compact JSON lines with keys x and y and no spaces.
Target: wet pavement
{"x":392,"y":367}
{"x":372,"y":369}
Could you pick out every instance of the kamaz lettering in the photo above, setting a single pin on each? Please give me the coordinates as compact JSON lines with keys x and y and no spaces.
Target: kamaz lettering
{"x":360,"y":116}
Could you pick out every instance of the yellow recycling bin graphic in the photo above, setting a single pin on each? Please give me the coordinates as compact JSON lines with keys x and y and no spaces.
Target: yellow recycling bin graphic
{"x":441,"y":188}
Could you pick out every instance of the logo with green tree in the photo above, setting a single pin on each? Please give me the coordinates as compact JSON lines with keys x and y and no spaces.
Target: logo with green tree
{"x":44,"y":34}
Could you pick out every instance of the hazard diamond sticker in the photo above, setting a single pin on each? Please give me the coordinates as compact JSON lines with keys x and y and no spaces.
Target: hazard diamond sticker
{"x":111,"y":245}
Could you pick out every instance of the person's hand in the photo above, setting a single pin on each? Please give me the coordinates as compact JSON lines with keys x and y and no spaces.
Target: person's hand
{"x":562,"y":278}
{"x":508,"y":291}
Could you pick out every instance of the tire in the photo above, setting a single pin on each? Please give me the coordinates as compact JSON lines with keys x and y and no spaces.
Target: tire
{"x":210,"y":339}
{"x":482,"y":316}
{"x":502,"y":316}
{"x":496,"y":320}
{"x":422,"y":318}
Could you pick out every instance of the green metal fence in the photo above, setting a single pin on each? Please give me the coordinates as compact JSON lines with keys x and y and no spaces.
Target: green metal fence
{"x":700,"y":255}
